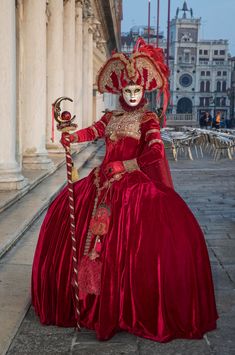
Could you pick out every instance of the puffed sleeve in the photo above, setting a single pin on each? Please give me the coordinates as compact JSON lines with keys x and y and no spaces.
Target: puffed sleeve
{"x":96,"y":130}
{"x":153,"y":149}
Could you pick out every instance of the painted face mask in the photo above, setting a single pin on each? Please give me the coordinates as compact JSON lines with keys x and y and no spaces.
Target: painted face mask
{"x":132,"y":94}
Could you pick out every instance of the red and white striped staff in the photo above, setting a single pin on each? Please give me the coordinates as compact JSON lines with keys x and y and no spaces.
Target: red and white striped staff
{"x":65,"y":126}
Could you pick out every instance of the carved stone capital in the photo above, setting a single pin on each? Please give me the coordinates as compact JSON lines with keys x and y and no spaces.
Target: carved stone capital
{"x":79,"y":3}
{"x":87,"y":9}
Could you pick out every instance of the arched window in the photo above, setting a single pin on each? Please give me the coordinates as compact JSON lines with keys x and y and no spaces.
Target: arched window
{"x":224,"y":86}
{"x":184,"y":105}
{"x":202,"y":86}
{"x":218,"y":86}
{"x":207,"y":86}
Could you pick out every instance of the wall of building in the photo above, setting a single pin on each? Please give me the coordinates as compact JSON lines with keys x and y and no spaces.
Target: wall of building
{"x":49,"y":48}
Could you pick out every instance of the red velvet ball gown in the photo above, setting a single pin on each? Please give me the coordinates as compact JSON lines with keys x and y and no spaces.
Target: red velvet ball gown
{"x":155,"y":278}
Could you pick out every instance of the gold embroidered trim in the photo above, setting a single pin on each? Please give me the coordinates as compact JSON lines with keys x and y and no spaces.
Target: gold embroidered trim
{"x":130,"y":165}
{"x":126,"y":125}
{"x":154,"y":130}
{"x":155,"y":141}
{"x":95,"y":131}
{"x":104,"y":124}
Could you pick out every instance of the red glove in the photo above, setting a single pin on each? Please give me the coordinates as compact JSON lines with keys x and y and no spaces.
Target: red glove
{"x":72,"y":138}
{"x":115,"y":167}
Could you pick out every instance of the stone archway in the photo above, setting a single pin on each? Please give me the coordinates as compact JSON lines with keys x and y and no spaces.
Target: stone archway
{"x":184,"y":105}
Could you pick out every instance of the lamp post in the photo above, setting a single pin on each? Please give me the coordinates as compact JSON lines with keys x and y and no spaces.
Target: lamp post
{"x":149,"y":10}
{"x":158,"y":15}
{"x":168,"y":32}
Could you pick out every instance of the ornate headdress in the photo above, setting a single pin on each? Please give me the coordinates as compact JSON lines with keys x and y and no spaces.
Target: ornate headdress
{"x":144,"y":67}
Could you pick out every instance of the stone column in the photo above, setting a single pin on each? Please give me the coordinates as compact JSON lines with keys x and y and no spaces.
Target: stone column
{"x":34,"y":108}
{"x":78,"y":63}
{"x":69,"y":52}
{"x":10,"y":177}
{"x":87,"y":73}
{"x":55,"y":67}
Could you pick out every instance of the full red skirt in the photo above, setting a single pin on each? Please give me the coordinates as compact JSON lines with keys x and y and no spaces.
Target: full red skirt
{"x":156,"y":279}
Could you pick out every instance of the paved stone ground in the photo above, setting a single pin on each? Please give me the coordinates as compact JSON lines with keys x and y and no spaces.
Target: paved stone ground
{"x":209,"y":189}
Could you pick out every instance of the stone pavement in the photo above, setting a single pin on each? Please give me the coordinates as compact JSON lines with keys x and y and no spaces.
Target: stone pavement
{"x":209,"y":189}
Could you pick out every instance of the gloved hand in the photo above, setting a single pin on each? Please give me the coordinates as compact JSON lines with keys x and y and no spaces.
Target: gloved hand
{"x":72,"y":138}
{"x":113,"y":168}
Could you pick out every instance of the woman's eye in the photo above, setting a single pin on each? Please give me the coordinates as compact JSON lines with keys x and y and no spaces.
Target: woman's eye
{"x":137,"y":90}
{"x":128,"y":91}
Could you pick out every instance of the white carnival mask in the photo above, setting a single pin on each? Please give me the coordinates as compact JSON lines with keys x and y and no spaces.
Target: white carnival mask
{"x":132,"y":94}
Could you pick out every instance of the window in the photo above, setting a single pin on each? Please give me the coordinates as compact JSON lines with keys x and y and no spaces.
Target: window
{"x":207,"y":86}
{"x":203,"y":61}
{"x":208,"y":73}
{"x":186,"y":57}
{"x":180,"y":59}
{"x":201,"y":101}
{"x":218,"y":86}
{"x":200,"y":51}
{"x":222,"y":52}
{"x":202,"y":86}
{"x":224,"y":73}
{"x":224,"y":86}
{"x":223,"y":101}
{"x":218,"y":73}
{"x":193,"y":59}
{"x":216,"y":52}
{"x":217,"y":101}
{"x":202,"y":73}
{"x":206,"y":52}
{"x":207,"y":101}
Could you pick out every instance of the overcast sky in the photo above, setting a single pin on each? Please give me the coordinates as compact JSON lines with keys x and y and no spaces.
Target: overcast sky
{"x":217,"y":16}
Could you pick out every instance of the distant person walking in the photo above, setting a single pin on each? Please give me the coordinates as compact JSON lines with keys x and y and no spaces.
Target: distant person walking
{"x":217,"y":120}
{"x":205,"y":120}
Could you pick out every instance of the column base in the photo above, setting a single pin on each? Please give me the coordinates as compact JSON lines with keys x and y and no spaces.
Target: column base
{"x":55,"y":148}
{"x":12,"y":181}
{"x":37,"y":162}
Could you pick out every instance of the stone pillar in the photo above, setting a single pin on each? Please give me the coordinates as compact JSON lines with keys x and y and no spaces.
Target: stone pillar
{"x":79,"y":63}
{"x":87,"y":73}
{"x":55,"y":67}
{"x":69,"y":52}
{"x":10,"y":177}
{"x":34,"y":108}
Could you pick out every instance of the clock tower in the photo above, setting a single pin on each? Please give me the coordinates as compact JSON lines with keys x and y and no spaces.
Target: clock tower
{"x":184,"y":32}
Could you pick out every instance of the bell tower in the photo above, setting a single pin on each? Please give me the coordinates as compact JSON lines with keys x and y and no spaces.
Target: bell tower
{"x":184,"y":32}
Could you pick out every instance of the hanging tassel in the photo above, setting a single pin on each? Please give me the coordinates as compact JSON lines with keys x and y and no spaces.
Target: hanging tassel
{"x":74,"y":176}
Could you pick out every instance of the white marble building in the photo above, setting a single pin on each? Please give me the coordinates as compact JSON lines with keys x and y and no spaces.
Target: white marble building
{"x":48,"y":49}
{"x":200,"y":69}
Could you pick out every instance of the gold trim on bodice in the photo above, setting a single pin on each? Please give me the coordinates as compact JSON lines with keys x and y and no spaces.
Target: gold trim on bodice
{"x":124,"y":124}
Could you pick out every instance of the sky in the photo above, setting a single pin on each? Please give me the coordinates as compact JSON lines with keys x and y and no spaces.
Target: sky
{"x":217,"y":16}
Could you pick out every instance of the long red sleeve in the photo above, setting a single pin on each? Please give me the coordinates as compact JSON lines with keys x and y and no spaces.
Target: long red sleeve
{"x":152,"y":160}
{"x":97,"y":130}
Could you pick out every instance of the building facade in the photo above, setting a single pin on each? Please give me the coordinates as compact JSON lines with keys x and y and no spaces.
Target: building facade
{"x":200,"y":69}
{"x":49,"y":48}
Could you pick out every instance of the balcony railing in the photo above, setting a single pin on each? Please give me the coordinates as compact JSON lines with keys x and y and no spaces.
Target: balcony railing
{"x":180,"y":117}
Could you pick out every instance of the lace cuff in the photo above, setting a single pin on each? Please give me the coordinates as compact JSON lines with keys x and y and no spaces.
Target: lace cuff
{"x":131,"y":165}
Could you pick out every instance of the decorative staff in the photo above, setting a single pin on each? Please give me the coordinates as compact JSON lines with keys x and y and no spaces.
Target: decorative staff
{"x":65,"y":125}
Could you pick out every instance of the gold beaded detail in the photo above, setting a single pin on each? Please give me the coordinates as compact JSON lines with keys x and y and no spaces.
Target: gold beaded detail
{"x":126,"y":124}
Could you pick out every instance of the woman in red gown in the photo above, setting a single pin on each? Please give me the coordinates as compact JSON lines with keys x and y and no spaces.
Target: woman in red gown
{"x":143,"y":265}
